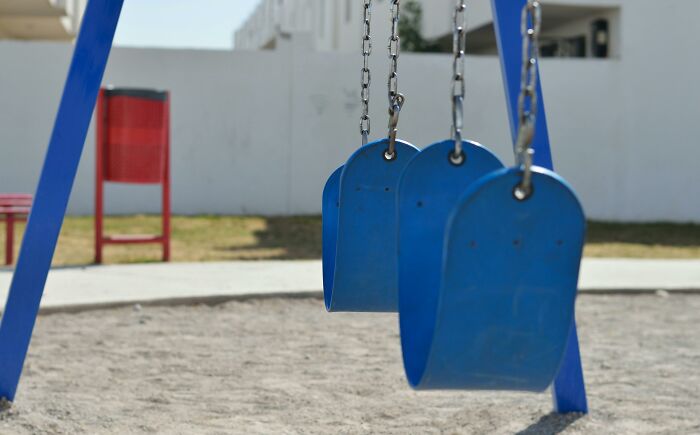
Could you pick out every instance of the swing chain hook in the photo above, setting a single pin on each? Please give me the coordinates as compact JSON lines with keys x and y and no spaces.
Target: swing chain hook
{"x":458,"y":81}
{"x":531,"y":23}
{"x":365,"y":125}
{"x":394,"y":112}
{"x":396,"y":99}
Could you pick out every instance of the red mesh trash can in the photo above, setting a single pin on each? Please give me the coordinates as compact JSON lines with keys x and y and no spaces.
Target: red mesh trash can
{"x":133,"y":146}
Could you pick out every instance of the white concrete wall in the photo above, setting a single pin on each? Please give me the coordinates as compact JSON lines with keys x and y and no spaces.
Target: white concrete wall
{"x":258,"y":132}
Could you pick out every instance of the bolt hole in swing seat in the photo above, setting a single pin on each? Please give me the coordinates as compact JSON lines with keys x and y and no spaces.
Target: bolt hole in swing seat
{"x":501,"y":316}
{"x":360,"y":268}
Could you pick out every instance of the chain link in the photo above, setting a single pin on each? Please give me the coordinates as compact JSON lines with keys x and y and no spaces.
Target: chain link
{"x":396,"y":100}
{"x":394,"y":51}
{"x":458,"y":80}
{"x":531,"y":24}
{"x":365,"y":125}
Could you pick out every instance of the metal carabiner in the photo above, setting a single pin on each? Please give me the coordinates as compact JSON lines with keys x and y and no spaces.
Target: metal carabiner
{"x":394,"y":112}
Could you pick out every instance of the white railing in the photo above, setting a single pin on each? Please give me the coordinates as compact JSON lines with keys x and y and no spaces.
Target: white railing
{"x":41,"y":19}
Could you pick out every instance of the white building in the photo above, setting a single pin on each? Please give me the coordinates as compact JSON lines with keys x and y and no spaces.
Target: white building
{"x":259,"y":131}
{"x":40,"y":19}
{"x":571,"y":27}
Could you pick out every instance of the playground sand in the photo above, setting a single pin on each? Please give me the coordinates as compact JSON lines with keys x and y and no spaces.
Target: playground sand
{"x":285,"y":366}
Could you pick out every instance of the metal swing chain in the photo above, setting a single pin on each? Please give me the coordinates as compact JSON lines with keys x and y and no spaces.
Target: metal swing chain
{"x":531,"y":24}
{"x":396,"y":99}
{"x":365,"y":125}
{"x":458,"y":80}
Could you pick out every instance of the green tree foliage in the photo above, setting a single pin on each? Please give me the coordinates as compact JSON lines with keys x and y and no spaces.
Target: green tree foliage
{"x":410,"y":26}
{"x":410,"y":31}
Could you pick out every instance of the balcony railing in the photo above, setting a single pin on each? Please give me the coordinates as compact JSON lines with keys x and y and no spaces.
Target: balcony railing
{"x":40,"y":19}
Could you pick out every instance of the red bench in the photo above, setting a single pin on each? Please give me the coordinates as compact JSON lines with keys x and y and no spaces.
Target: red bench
{"x":14,"y":207}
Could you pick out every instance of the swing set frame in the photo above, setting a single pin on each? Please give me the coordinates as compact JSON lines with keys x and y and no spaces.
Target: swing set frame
{"x":92,"y":49}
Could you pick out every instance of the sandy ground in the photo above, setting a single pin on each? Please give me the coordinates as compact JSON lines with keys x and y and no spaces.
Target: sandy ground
{"x":285,"y":366}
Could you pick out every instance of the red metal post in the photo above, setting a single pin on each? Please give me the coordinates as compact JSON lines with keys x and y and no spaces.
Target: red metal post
{"x":166,"y":184}
{"x":9,"y":239}
{"x":99,"y":177}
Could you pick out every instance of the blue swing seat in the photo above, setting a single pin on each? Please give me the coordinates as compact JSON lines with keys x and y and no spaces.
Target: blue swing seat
{"x":359,"y":234}
{"x":429,"y":191}
{"x":501,"y":316}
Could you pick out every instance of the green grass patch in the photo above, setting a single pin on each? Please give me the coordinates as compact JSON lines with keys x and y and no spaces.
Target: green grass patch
{"x":222,"y":238}
{"x":655,"y":240}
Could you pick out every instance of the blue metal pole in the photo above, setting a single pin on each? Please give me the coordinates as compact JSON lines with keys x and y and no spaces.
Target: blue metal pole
{"x":92,"y":50}
{"x":569,"y":391}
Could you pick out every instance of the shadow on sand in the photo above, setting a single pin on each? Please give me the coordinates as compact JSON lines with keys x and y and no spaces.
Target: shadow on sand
{"x":296,"y":238}
{"x":551,"y":424}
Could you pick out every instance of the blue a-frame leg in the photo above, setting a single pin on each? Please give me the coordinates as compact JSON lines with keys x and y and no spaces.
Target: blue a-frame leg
{"x":569,"y":391}
{"x":60,"y":165}
{"x":63,"y":156}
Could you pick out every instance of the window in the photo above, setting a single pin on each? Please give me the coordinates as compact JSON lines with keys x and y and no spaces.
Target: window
{"x":567,"y":32}
{"x":600,"y":38}
{"x":563,"y":47}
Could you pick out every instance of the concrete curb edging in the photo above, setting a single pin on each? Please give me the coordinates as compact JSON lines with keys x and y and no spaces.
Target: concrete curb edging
{"x":71,"y":290}
{"x":214,"y":300}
